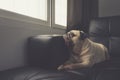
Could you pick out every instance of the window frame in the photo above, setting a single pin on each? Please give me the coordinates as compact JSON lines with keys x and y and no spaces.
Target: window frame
{"x":20,"y":17}
{"x":50,"y":16}
{"x":53,"y":17}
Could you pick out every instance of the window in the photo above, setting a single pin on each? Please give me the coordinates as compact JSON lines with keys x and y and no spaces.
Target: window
{"x":59,"y":13}
{"x":27,"y":7}
{"x":45,"y":12}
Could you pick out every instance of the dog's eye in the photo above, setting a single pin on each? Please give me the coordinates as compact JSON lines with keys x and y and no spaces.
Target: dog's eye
{"x":71,"y":34}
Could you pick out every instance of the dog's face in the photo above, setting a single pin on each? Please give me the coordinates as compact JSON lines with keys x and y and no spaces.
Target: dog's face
{"x":74,"y":36}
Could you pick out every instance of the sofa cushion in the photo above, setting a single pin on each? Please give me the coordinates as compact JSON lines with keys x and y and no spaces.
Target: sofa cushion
{"x":47,"y":51}
{"x":21,"y":73}
{"x":109,"y":74}
{"x":108,"y":70}
{"x":35,"y":73}
{"x":107,"y":31}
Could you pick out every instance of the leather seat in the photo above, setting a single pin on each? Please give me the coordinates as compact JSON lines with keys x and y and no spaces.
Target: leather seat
{"x":34,"y":73}
{"x":107,"y":31}
{"x":46,"y":52}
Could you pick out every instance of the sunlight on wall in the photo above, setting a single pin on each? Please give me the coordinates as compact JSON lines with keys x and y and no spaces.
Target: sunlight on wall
{"x":32,"y":8}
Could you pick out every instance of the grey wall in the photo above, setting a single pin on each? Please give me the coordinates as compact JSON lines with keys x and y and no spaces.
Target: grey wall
{"x":109,"y":7}
{"x":13,"y":36}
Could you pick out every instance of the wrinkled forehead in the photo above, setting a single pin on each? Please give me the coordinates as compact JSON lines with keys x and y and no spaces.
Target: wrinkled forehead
{"x":75,"y":32}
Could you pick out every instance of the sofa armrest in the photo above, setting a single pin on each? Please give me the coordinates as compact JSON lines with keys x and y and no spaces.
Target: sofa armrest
{"x":47,"y":51}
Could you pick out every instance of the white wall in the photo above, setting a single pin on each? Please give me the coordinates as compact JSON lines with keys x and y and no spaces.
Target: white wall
{"x":13,"y":36}
{"x":109,"y":8}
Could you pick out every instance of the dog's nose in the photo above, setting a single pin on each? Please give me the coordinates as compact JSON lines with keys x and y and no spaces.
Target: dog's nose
{"x":66,"y":37}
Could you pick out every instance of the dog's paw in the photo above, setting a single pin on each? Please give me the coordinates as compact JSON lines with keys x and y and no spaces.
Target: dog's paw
{"x":60,"y":67}
{"x":65,"y":67}
{"x":68,"y":67}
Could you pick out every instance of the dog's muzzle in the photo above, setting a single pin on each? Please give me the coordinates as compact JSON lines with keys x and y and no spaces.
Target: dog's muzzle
{"x":68,"y":36}
{"x":68,"y":39}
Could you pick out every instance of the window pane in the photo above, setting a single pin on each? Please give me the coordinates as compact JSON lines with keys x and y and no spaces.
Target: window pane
{"x":61,"y":12}
{"x":32,"y":8}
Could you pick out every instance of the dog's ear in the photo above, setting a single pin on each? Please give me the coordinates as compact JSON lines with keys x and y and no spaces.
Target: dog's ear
{"x":83,"y":35}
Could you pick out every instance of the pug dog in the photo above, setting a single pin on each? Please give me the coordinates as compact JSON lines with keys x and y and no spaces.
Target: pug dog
{"x":84,"y":53}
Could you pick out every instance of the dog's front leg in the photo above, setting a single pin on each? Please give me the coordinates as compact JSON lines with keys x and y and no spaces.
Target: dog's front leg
{"x":64,"y":67}
{"x":79,"y":65}
{"x":67,"y":64}
{"x":75,"y":66}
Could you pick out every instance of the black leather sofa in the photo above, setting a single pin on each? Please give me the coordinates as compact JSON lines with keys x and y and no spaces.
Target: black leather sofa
{"x":46,"y":52}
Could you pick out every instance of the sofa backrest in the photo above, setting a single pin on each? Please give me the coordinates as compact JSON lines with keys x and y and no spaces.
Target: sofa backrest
{"x":47,"y":51}
{"x":107,"y":31}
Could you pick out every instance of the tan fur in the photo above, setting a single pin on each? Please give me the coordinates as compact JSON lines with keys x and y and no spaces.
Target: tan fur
{"x":85,"y":53}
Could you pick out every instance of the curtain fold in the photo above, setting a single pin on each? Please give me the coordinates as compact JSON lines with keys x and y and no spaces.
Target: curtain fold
{"x":74,"y":14}
{"x":80,"y":12}
{"x":86,"y":14}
